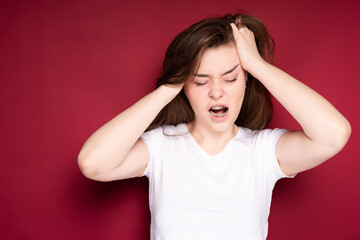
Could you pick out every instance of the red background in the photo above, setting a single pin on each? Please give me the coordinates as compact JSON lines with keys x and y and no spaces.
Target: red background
{"x":68,"y":67}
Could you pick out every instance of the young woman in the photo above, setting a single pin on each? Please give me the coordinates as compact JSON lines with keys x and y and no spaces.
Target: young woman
{"x":200,"y":136}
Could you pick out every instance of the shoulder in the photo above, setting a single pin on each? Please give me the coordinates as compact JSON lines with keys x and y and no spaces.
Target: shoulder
{"x":270,"y":134}
{"x":178,"y":130}
{"x":166,"y":131}
{"x":264,"y":136}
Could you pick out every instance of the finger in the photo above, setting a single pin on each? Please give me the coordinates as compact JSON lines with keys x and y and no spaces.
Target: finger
{"x":233,"y":26}
{"x":235,"y":30}
{"x":240,"y":26}
{"x":236,"y":34}
{"x":238,"y":31}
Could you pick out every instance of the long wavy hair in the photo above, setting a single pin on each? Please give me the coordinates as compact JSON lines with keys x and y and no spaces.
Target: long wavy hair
{"x":182,"y":60}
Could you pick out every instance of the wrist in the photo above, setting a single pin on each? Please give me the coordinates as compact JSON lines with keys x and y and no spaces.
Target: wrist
{"x":170,"y":90}
{"x":256,"y":66}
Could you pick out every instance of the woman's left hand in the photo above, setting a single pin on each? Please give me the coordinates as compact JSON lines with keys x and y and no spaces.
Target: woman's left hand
{"x":246,"y":46}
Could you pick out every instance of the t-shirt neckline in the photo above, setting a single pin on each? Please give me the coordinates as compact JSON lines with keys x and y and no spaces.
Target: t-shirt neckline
{"x":199,"y":150}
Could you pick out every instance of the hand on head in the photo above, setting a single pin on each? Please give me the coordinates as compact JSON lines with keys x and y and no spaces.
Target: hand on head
{"x":245,"y":45}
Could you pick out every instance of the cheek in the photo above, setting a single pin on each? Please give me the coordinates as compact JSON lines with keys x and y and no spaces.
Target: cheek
{"x":237,"y":91}
{"x":195,"y":96}
{"x":189,"y":92}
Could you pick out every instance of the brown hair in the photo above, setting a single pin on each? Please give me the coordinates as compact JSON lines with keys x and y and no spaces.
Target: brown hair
{"x":182,"y":60}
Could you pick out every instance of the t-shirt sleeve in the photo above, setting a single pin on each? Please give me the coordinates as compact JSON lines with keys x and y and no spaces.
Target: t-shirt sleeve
{"x":152,"y":140}
{"x":268,"y":139}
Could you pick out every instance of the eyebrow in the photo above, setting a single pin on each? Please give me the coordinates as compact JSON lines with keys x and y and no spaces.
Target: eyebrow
{"x":227,"y":72}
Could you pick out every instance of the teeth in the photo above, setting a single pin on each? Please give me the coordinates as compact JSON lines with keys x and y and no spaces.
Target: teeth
{"x":218,"y":114}
{"x":217,"y":107}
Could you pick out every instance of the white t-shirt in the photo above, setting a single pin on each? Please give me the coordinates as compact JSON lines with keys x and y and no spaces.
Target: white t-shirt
{"x":193,"y":195}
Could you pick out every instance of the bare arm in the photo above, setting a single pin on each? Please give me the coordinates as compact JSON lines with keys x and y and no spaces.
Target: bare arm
{"x":115,"y":151}
{"x":324,"y":130}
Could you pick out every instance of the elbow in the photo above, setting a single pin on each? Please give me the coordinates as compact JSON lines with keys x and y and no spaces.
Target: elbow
{"x":85,"y":165}
{"x":88,"y":168}
{"x":342,"y":136}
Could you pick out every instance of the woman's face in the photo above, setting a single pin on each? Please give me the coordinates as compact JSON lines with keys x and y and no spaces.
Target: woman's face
{"x":217,"y":90}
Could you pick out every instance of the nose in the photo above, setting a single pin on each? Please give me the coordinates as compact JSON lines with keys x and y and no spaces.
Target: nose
{"x":216,"y":91}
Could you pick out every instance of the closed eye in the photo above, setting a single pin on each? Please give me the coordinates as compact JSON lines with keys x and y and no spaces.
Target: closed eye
{"x":231,"y":80}
{"x":200,"y":83}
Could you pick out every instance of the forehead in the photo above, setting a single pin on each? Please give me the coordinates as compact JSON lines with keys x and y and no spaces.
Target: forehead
{"x":217,"y":60}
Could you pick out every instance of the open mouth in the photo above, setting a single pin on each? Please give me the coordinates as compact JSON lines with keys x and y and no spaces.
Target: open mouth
{"x":218,"y":111}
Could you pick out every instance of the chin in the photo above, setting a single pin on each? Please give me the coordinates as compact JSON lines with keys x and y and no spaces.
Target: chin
{"x":222,"y":126}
